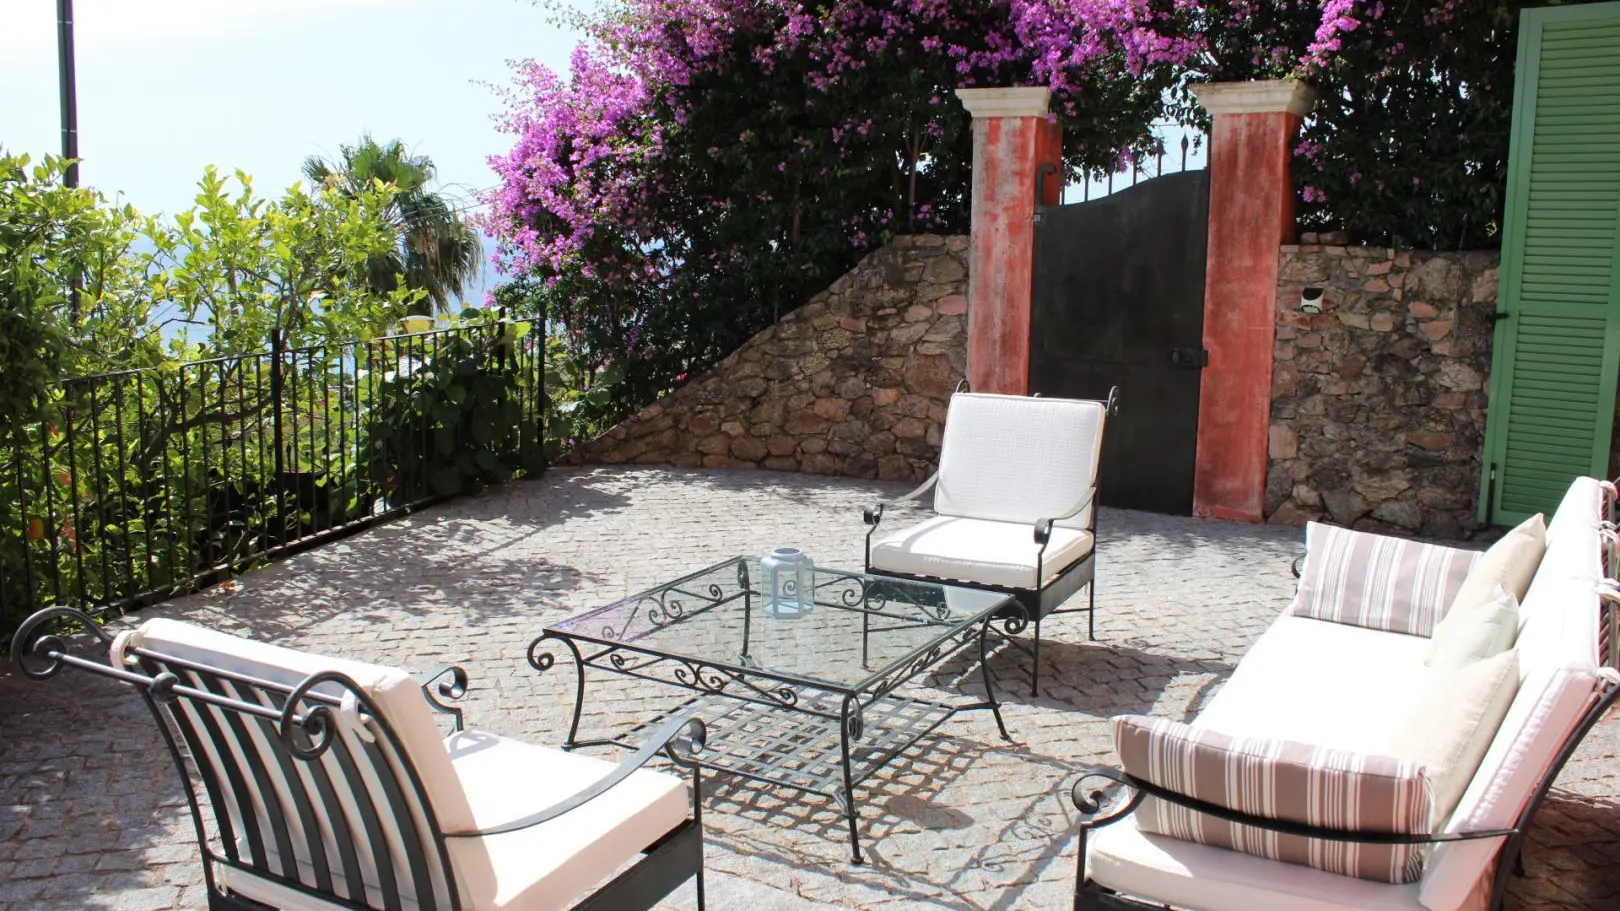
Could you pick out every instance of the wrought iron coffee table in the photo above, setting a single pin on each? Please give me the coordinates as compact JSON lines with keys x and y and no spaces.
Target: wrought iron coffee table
{"x":807,"y":701}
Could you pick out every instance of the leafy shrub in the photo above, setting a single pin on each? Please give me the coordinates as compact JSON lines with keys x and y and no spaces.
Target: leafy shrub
{"x":449,"y":415}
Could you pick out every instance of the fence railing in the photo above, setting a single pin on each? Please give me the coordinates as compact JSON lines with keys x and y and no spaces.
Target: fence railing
{"x":151,"y":483}
{"x":1180,"y":149}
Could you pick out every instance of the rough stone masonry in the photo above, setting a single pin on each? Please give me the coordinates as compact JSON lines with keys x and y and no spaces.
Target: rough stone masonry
{"x":1378,"y":402}
{"x":854,"y":383}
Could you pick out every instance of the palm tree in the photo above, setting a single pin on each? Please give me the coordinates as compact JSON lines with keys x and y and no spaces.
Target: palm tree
{"x":438,"y":251}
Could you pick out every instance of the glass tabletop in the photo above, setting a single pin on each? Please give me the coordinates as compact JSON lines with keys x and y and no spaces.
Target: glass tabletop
{"x":857,"y":630}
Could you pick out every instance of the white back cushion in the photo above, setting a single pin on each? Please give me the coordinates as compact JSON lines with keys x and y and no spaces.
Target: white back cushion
{"x":395,"y":692}
{"x":1558,"y":662}
{"x":1012,"y":458}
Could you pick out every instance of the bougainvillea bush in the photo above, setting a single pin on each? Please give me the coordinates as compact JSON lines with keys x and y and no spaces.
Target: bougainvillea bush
{"x":707,"y":165}
{"x":1408,"y":145}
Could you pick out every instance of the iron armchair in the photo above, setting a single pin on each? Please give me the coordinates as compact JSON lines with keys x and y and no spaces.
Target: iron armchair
{"x":1015,"y":502}
{"x":320,"y":783}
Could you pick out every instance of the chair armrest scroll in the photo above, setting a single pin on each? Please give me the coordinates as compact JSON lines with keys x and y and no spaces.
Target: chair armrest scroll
{"x":873,"y":514}
{"x":1090,"y":804}
{"x":681,"y":738}
{"x":1298,"y":567}
{"x":1043,"y":527}
{"x":451,"y":683}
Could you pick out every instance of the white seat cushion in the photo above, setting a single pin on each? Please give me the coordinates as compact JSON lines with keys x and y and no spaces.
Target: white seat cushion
{"x":979,"y":550}
{"x":1319,"y":682}
{"x":1189,"y":875}
{"x":542,"y":868}
{"x":552,"y":865}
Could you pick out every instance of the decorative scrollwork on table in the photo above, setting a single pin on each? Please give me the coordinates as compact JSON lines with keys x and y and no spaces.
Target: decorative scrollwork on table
{"x":1104,"y":795}
{"x":854,"y":720}
{"x":1015,"y":623}
{"x":913,"y":667}
{"x":545,"y":660}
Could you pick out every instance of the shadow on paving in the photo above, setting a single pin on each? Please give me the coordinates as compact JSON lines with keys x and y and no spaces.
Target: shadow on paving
{"x":90,"y":802}
{"x":1012,"y":839}
{"x":463,"y":556}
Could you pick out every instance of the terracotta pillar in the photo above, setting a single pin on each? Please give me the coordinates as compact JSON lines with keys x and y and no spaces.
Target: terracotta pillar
{"x":1251,"y":215}
{"x":1012,"y":138}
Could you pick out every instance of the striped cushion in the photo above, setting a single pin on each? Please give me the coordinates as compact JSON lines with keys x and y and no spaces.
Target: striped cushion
{"x":1284,"y":780}
{"x":1378,"y":582}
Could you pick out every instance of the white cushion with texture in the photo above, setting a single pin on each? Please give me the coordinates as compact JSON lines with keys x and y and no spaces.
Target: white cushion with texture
{"x":1013,"y":458}
{"x":1190,"y":875}
{"x":1510,"y":564}
{"x":977,"y":550}
{"x":1309,"y":680}
{"x":1453,"y":722}
{"x":549,"y":866}
{"x":1474,"y":632}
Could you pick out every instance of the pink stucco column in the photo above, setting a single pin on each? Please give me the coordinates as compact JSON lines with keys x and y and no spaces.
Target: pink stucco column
{"x":1012,"y":138}
{"x":1251,"y":215}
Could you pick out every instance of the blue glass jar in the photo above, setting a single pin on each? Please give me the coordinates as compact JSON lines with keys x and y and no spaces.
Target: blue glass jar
{"x":789,"y":587}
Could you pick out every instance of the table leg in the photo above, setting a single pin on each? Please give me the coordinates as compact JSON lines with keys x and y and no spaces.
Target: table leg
{"x":544,"y":661}
{"x":850,"y":728}
{"x":990,"y":679}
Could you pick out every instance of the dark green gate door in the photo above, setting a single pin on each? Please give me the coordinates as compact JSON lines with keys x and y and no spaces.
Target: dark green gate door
{"x":1119,"y":301}
{"x":1557,"y":346}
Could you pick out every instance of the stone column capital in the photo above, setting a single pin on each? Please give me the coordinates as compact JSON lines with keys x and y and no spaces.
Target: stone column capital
{"x":1263,"y":96}
{"x":1018,"y":101}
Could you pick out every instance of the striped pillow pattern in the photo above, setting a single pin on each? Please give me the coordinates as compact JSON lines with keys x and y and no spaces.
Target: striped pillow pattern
{"x":1378,"y":582}
{"x":1284,"y":780}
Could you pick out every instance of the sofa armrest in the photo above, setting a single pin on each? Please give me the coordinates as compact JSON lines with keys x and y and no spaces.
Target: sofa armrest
{"x":1119,"y":794}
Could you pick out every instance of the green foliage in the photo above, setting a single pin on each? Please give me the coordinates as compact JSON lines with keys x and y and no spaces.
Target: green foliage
{"x":222,"y":420}
{"x":583,"y":397}
{"x":33,"y":340}
{"x":1408,"y":145}
{"x":260,"y":272}
{"x":449,"y":413}
{"x":435,"y":250}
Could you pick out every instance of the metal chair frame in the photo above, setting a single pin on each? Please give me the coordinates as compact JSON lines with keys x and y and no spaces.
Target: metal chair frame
{"x":1039,"y":602}
{"x":299,"y":725}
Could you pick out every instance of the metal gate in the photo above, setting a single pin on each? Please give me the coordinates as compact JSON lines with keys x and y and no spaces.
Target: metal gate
{"x":1119,"y":301}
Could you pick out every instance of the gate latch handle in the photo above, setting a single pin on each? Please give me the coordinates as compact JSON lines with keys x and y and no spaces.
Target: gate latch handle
{"x":1190,"y":358}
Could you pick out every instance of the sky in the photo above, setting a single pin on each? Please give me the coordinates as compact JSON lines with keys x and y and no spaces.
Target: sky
{"x":166,"y":87}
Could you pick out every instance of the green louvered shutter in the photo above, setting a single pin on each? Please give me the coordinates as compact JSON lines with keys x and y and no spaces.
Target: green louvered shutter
{"x":1558,"y":344}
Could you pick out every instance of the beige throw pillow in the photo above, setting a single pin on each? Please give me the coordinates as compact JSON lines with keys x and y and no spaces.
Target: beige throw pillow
{"x":1476,"y":633}
{"x":1510,"y":563}
{"x":1453,"y":723}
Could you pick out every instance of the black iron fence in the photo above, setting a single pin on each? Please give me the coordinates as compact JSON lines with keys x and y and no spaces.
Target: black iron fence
{"x":151,"y":483}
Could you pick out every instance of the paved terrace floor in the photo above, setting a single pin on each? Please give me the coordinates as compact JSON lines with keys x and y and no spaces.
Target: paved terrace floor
{"x":91,"y":815}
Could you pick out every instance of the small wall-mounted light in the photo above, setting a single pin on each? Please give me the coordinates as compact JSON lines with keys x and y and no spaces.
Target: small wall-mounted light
{"x":1310,"y":300}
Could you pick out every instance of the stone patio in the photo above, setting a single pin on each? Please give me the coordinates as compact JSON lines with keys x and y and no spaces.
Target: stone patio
{"x":92,"y":816}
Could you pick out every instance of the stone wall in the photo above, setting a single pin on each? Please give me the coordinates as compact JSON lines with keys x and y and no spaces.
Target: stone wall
{"x":1378,"y":403}
{"x":853,"y":383}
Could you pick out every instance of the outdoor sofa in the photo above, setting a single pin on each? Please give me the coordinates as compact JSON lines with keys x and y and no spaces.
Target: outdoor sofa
{"x":1384,"y":744}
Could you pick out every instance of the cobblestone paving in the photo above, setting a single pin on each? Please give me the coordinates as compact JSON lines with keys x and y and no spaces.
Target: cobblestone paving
{"x":91,"y":815}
